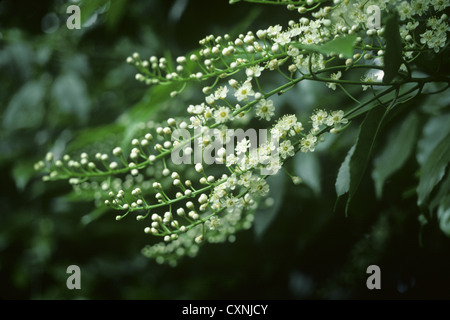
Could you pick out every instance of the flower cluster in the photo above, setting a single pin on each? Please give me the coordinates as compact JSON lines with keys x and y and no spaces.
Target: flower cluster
{"x":188,"y":205}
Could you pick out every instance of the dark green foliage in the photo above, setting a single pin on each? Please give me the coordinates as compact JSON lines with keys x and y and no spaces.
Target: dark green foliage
{"x":72,"y":92}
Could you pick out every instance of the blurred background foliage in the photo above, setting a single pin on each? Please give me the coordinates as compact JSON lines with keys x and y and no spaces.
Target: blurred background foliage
{"x":70,"y":90}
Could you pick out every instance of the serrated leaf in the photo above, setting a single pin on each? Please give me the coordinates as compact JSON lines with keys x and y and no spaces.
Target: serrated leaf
{"x":363,"y":149}
{"x":341,"y":46}
{"x":307,"y":167}
{"x":264,"y":217}
{"x":397,"y":150}
{"x":433,"y":169}
{"x":393,"y":53}
{"x":342,"y":184}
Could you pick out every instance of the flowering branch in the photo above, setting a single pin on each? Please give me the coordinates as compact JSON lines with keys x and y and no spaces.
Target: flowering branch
{"x":330,"y":48}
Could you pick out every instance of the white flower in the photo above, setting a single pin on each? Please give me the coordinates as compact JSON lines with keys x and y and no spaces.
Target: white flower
{"x":259,"y":187}
{"x":244,"y":91}
{"x":242,"y":146}
{"x":231,"y":160}
{"x":311,"y":38}
{"x":274,"y":30}
{"x":290,"y":120}
{"x":223,"y":114}
{"x":263,"y":156}
{"x":231,"y":203}
{"x":265,"y":109}
{"x":254,"y":71}
{"x":221,"y":93}
{"x":245,"y":179}
{"x":199,"y":109}
{"x":274,"y":165}
{"x":276,"y":133}
{"x":243,"y":163}
{"x":283,"y":38}
{"x":218,"y":193}
{"x":419,"y":6}
{"x":211,"y":99}
{"x":405,"y":10}
{"x":293,"y":51}
{"x":296,"y":128}
{"x":295,"y":31}
{"x":204,"y":141}
{"x":370,"y":77}
{"x":435,"y":39}
{"x":267,"y":148}
{"x":412,"y":25}
{"x":231,"y":182}
{"x":334,"y":76}
{"x":439,"y":5}
{"x":220,"y":134}
{"x":336,"y":118}
{"x":208,"y":112}
{"x":318,"y":118}
{"x":308,"y":143}
{"x":287,"y":122}
{"x":433,"y":22}
{"x":195,"y":123}
{"x":253,"y":158}
{"x":286,"y":149}
{"x":213,"y":223}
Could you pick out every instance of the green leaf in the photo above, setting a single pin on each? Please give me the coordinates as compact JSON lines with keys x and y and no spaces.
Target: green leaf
{"x":393,"y":54}
{"x":307,"y":167}
{"x":89,"y":8}
{"x":434,"y":131}
{"x":437,"y":101}
{"x":115,"y":13}
{"x":93,"y":136}
{"x":342,"y":184}
{"x":154,"y":99}
{"x":443,"y":215}
{"x":363,"y":149}
{"x":441,"y":194}
{"x":25,"y":110}
{"x":433,"y":169}
{"x":342,"y":45}
{"x":93,"y":215}
{"x":399,"y":147}
{"x":22,"y":172}
{"x":70,"y":93}
{"x":264,"y":217}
